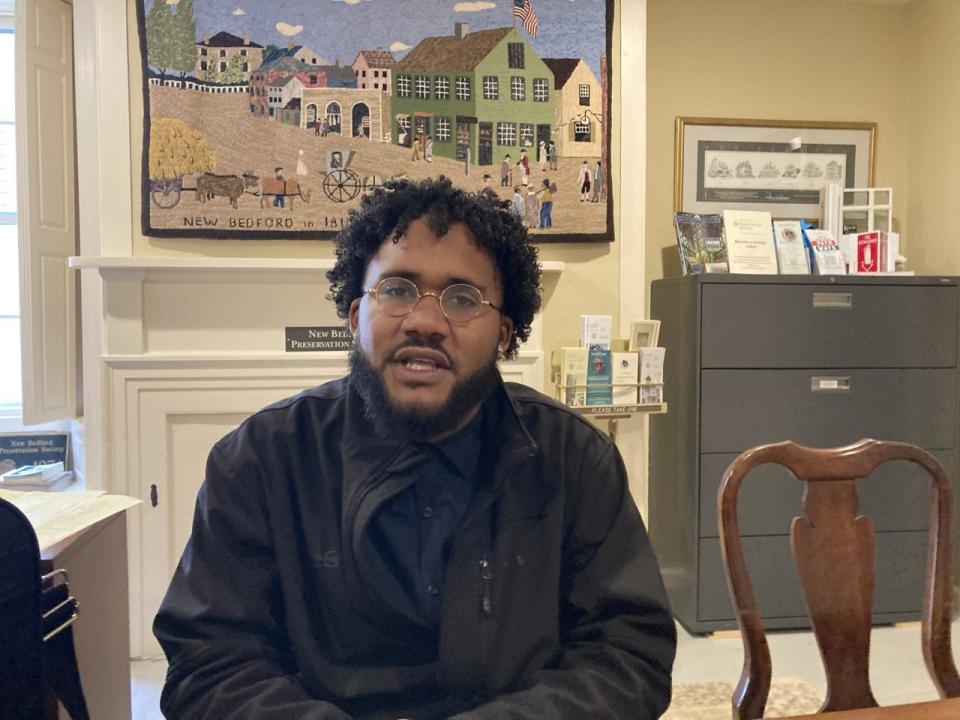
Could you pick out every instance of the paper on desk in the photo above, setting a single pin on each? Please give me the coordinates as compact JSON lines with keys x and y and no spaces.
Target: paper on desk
{"x":58,"y":515}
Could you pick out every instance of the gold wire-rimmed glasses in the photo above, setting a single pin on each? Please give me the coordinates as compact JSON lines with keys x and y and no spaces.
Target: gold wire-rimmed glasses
{"x":460,"y":302}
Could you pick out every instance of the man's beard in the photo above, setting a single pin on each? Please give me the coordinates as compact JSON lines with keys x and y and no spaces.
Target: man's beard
{"x":414,"y":421}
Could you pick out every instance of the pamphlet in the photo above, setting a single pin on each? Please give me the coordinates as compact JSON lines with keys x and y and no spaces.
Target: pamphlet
{"x":701,"y":243}
{"x":651,"y":365}
{"x":750,"y":247}
{"x":625,"y":373}
{"x":791,"y":254}
{"x":827,"y":257}
{"x":651,"y":394}
{"x":573,"y":376}
{"x":596,"y":331}
{"x":599,"y":377}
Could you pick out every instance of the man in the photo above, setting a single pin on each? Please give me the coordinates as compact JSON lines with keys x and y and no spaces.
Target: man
{"x":278,"y":199}
{"x":419,"y":539}
{"x":505,"y":171}
{"x":597,"y":182}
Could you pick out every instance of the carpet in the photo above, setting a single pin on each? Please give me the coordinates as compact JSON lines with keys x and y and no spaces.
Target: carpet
{"x":711,"y":701}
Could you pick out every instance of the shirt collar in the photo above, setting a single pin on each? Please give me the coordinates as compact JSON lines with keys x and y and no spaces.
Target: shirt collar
{"x":462,"y":449}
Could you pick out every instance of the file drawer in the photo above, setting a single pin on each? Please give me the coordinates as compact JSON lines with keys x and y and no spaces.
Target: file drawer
{"x":743,"y":408}
{"x":800,"y":326}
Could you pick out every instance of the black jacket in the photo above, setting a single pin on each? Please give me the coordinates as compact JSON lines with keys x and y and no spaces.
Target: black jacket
{"x":553,"y":608}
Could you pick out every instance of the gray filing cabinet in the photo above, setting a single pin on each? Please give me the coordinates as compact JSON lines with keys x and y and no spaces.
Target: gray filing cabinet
{"x":822,"y":361}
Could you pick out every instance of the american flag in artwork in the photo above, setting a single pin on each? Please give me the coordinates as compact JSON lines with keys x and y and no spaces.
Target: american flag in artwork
{"x":524,"y":10}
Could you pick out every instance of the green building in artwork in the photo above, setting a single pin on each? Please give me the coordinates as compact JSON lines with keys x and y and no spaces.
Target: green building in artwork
{"x":485,"y":95}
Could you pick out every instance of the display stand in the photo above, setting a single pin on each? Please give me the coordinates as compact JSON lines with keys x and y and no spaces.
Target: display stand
{"x":613,"y":413}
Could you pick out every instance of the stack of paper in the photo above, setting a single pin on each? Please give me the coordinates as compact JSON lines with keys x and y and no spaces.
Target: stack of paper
{"x":37,"y":477}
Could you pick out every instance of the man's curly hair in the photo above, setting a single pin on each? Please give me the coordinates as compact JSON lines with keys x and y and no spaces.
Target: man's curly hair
{"x":386,"y":213}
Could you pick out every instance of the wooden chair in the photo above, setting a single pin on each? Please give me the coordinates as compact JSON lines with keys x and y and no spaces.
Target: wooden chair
{"x":834,"y":552}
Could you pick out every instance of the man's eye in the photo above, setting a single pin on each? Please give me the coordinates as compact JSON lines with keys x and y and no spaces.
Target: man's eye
{"x":395,"y":292}
{"x":463,"y":300}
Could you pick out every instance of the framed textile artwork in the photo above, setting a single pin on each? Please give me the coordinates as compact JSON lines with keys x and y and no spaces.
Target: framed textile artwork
{"x":271,"y":120}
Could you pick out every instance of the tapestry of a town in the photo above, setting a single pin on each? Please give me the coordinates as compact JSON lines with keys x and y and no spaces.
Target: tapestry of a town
{"x":272,"y":119}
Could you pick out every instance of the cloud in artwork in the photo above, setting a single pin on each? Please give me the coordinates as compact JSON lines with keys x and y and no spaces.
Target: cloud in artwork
{"x":475,"y":6}
{"x":399,"y":47}
{"x":288,"y":29}
{"x":239,"y":11}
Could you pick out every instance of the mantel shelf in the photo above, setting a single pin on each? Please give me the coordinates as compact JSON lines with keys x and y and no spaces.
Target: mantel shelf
{"x":227,"y":264}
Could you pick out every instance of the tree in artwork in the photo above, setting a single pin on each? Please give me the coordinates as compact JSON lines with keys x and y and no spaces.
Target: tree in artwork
{"x":160,"y":52}
{"x":184,"y":39}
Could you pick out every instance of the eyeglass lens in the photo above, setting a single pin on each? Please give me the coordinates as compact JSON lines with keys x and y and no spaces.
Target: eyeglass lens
{"x":399,"y":296}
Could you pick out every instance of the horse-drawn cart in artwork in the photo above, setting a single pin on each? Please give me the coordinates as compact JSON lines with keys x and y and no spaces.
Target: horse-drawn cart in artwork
{"x":165,"y":192}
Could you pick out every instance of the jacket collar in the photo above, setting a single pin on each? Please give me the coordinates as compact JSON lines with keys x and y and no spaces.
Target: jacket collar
{"x":367,"y":456}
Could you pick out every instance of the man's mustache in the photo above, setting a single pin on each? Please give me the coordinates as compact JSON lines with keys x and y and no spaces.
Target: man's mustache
{"x":416,"y":341}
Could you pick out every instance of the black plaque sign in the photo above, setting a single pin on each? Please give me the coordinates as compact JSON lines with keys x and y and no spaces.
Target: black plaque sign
{"x":17,"y":450}
{"x":318,"y":339}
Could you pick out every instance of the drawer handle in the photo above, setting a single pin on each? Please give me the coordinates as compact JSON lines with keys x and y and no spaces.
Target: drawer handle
{"x":833,"y":300}
{"x":831,"y":384}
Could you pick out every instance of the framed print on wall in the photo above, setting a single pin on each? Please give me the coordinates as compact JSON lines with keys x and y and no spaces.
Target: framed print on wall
{"x":773,"y":165}
{"x":267,"y":120}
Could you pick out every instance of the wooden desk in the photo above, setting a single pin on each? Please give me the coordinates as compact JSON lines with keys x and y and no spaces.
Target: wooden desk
{"x":936,"y":710}
{"x":96,"y":560}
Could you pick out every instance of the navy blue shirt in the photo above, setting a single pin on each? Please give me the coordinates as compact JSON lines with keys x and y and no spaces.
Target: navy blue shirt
{"x":411,"y":533}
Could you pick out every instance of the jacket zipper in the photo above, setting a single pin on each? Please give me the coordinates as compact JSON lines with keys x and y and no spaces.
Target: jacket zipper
{"x":486,"y":599}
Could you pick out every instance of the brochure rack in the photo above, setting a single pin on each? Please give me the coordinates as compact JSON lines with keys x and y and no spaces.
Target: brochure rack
{"x":613,"y":413}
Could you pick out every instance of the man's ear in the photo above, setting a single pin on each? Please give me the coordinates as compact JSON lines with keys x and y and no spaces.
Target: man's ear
{"x":353,"y":315}
{"x":506,"y":332}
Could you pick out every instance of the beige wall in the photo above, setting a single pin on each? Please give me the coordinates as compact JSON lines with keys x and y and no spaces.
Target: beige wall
{"x":773,"y":59}
{"x":933,"y":113}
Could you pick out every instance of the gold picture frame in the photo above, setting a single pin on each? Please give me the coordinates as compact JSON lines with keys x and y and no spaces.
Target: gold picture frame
{"x":789,"y":153}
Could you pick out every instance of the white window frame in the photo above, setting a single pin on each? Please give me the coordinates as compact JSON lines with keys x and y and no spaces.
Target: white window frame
{"x":491,"y":87}
{"x":541,"y":90}
{"x":10,"y":414}
{"x":441,"y":87}
{"x":506,"y":134}
{"x":403,"y":86}
{"x":583,"y":127}
{"x":463,"y":87}
{"x":528,"y":132}
{"x":584,"y":93}
{"x":518,"y":88}
{"x":422,"y":87}
{"x":442,"y":129}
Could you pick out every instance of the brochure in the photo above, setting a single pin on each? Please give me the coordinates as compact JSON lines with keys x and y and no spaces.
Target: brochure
{"x":827,"y":257}
{"x":791,"y":253}
{"x":750,"y":247}
{"x":701,"y":243}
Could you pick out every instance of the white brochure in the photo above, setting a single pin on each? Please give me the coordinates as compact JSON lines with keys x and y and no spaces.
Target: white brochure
{"x":750,"y":248}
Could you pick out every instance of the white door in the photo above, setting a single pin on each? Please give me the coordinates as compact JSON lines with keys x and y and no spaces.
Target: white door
{"x":46,"y":207}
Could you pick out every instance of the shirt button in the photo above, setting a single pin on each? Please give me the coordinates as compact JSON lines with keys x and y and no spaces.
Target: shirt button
{"x":427,"y":513}
{"x":433,"y":589}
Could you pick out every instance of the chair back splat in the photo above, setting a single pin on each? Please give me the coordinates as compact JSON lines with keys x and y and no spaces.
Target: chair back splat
{"x":834,"y":551}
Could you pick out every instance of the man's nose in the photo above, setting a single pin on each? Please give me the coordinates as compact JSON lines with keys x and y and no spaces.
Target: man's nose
{"x":427,"y":318}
